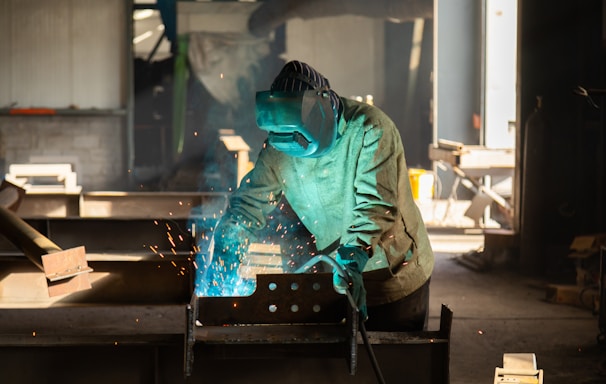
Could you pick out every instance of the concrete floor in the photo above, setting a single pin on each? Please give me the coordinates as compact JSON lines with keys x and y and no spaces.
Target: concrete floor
{"x":500,"y":311}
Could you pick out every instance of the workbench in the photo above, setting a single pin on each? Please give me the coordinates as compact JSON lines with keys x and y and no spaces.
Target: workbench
{"x":476,"y":167}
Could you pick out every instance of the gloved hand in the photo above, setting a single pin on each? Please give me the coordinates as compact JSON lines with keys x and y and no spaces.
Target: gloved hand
{"x":230,"y":243}
{"x":353,"y":260}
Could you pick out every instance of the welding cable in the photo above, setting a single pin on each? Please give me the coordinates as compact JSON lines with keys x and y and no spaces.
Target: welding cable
{"x":341,"y":271}
{"x":371,"y":352}
{"x":328,"y":260}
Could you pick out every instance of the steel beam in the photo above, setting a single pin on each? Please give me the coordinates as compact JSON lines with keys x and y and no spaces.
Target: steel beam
{"x":65,"y":270}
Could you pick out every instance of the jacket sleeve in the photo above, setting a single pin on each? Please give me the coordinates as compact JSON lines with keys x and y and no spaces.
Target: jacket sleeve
{"x":258,"y":194}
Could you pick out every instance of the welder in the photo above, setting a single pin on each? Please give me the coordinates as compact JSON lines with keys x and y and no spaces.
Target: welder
{"x":340,"y":165}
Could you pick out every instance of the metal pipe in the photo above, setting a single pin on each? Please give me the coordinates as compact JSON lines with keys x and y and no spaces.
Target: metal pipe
{"x":33,"y":244}
{"x":66,"y":271}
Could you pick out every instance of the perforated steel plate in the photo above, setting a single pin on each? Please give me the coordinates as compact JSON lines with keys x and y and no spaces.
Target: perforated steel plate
{"x":278,"y":299}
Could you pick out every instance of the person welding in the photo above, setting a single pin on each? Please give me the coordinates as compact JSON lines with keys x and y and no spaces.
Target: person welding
{"x":340,"y":165}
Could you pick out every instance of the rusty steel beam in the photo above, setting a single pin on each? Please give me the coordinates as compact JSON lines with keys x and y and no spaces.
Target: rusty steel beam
{"x":66,"y":270}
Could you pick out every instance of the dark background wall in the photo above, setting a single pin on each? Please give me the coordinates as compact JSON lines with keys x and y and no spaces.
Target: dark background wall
{"x":561,"y":47}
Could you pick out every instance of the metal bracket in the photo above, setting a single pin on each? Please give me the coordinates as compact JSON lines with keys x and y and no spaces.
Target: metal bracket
{"x":66,"y":271}
{"x":285,"y":309}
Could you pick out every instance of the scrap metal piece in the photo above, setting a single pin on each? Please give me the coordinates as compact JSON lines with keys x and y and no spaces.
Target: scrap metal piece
{"x":66,"y":270}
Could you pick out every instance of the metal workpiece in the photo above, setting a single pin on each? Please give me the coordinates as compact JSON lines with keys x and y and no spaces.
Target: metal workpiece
{"x":65,"y":270}
{"x":284,"y":310}
{"x":142,"y":261}
{"x":278,"y":299}
{"x":267,"y":343}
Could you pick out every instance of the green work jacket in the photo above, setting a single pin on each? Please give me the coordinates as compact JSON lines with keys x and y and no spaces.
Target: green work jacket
{"x":358,"y":194}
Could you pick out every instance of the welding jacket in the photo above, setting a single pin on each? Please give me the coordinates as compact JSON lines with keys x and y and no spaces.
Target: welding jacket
{"x":358,"y":194}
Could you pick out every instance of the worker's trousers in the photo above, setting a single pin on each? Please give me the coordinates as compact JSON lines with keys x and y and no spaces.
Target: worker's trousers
{"x":407,"y":314}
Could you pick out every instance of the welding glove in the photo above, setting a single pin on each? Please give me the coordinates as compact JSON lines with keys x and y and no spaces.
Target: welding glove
{"x":222,"y":274}
{"x":353,"y":260}
{"x":229,"y":244}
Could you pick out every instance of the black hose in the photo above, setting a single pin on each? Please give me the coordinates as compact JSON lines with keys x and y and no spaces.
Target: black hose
{"x":371,"y":353}
{"x":339,"y":269}
{"x":328,"y":260}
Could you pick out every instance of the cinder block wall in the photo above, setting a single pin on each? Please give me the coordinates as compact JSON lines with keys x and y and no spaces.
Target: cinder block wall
{"x":94,"y":145}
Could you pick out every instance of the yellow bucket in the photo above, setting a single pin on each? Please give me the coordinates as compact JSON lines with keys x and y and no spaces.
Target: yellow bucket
{"x":421,"y":183}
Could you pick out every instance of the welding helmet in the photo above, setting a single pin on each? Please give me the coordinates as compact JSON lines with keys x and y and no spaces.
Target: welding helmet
{"x":300,"y":112}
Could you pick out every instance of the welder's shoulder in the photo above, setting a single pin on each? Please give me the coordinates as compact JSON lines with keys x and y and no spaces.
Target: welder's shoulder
{"x":366,"y":116}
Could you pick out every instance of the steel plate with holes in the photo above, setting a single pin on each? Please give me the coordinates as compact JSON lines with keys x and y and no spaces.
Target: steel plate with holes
{"x":300,"y":310}
{"x":278,"y":299}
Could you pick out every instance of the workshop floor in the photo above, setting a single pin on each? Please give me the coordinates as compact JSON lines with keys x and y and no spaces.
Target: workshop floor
{"x":500,"y":311}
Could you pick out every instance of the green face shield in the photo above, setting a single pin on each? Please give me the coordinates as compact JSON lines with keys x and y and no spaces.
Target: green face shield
{"x":300,"y":124}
